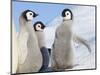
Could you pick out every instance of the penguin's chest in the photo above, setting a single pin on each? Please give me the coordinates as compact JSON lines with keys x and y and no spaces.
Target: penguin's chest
{"x":23,"y":47}
{"x":63,"y":40}
{"x":64,"y":34}
{"x":34,"y":56}
{"x":41,"y":39}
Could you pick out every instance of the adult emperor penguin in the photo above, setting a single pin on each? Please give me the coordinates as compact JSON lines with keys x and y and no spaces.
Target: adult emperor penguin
{"x":62,"y":52}
{"x":39,"y":27}
{"x":30,"y":57}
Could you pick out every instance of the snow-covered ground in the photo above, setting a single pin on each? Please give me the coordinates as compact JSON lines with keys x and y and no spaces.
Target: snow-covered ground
{"x":83,"y":25}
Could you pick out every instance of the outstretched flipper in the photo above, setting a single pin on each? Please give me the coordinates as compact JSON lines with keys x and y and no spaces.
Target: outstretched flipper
{"x":81,"y":40}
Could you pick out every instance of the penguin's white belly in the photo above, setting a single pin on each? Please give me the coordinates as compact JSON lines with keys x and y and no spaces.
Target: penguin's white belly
{"x":41,"y":39}
{"x":63,"y":52}
{"x":33,"y":57}
{"x":23,"y":48}
{"x":30,"y":55}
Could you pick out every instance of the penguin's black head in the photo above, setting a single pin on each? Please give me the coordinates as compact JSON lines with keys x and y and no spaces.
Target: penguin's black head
{"x":67,"y":14}
{"x":38,"y":26}
{"x":29,"y":15}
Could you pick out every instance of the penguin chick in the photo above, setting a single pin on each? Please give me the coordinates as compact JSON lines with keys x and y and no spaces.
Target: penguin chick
{"x":30,"y":57}
{"x":76,"y":38}
{"x":39,"y":27}
{"x":62,"y":52}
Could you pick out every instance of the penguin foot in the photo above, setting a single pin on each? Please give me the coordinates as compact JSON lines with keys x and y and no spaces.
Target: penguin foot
{"x":70,"y":67}
{"x":49,"y":69}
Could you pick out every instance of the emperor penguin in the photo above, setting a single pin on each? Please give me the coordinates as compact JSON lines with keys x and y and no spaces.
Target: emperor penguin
{"x":62,"y":51}
{"x":30,"y":57}
{"x":39,"y":29}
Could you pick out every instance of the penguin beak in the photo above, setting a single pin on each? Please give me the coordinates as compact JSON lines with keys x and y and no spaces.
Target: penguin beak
{"x":35,"y":15}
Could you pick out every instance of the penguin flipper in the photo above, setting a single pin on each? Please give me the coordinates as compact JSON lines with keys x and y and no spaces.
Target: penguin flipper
{"x":81,"y":40}
{"x":45,"y":55}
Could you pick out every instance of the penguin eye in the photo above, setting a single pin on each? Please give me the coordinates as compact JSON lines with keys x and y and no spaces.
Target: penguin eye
{"x":67,"y":13}
{"x":31,"y":14}
{"x":39,"y":25}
